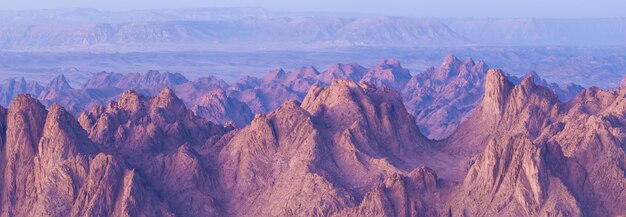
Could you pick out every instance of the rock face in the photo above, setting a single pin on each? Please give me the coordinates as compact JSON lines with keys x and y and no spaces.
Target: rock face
{"x":336,"y":144}
{"x":24,"y":127}
{"x":538,"y":159}
{"x":50,"y":169}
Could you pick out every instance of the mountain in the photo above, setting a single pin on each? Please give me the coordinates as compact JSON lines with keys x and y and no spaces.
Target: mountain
{"x":257,"y":28}
{"x":310,"y":31}
{"x":538,"y":32}
{"x":218,"y":107}
{"x":441,"y":98}
{"x":537,"y":152}
{"x":336,"y":144}
{"x":565,"y":93}
{"x":13,"y":86}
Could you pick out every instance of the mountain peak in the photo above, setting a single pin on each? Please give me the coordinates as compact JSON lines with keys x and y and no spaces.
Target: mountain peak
{"x":390,"y":63}
{"x":529,"y":81}
{"x":59,"y":83}
{"x":25,"y":102}
{"x":63,"y":135}
{"x":497,"y":88}
{"x":275,"y":75}
{"x":469,"y":62}
{"x":449,"y":68}
{"x":450,"y":59}
{"x":168,"y":99}
{"x":623,"y":84}
{"x":172,"y":107}
{"x":388,"y":73}
{"x":131,"y":101}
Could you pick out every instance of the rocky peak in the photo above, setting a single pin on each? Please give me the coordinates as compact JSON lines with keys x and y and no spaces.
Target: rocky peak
{"x":623,"y":84}
{"x":132,"y":101}
{"x":469,"y":62}
{"x":155,"y":77}
{"x":275,"y":75}
{"x":103,"y":79}
{"x":63,"y":136}
{"x":216,"y":106}
{"x":216,"y":94}
{"x":26,"y":116}
{"x":170,"y":104}
{"x":52,"y":90}
{"x":351,"y":71}
{"x":58,"y":83}
{"x":303,"y":72}
{"x":497,"y":88}
{"x":347,"y":106}
{"x":25,"y":121}
{"x":245,"y":83}
{"x":449,"y":68}
{"x":388,"y":73}
{"x":532,"y":74}
{"x":481,"y":66}
{"x":11,"y":87}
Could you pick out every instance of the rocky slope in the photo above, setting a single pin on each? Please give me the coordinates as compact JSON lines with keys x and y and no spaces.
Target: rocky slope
{"x":538,"y":154}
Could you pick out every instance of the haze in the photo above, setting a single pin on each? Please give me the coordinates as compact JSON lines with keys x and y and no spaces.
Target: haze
{"x":438,"y":9}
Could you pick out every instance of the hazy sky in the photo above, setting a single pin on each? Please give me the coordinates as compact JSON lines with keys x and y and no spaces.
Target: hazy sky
{"x":414,"y":8}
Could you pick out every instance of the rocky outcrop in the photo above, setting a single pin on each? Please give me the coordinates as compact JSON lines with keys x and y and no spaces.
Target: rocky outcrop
{"x":25,"y":123}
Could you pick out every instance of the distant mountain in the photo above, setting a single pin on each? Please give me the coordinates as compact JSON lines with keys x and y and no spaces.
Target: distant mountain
{"x":70,"y":29}
{"x":320,"y":32}
{"x":541,"y":32}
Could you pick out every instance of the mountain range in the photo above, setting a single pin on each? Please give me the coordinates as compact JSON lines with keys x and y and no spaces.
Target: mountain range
{"x":344,"y":148}
{"x":439,"y":98}
{"x":256,"y":28}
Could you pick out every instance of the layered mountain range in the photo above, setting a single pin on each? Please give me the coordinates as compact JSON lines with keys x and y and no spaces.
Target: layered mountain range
{"x":439,"y":98}
{"x":84,"y":28}
{"x":345,"y":148}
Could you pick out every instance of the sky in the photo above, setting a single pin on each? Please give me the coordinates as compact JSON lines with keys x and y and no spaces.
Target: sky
{"x":411,"y":8}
